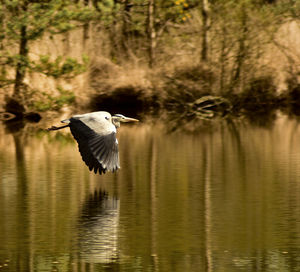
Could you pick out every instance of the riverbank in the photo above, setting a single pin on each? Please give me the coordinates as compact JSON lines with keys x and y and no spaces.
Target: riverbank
{"x":179,"y":97}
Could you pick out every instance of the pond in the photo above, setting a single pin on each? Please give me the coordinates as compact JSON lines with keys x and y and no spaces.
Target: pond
{"x":226,"y":198}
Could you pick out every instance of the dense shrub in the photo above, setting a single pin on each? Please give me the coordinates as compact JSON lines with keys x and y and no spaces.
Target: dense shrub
{"x":185,"y":85}
{"x":260,"y":94}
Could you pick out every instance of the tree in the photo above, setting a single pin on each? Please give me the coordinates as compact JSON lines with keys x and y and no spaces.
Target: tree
{"x":24,"y":21}
{"x":137,"y":28}
{"x":205,"y":28}
{"x":151,"y":32}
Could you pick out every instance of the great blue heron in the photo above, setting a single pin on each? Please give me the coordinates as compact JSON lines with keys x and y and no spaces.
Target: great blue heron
{"x":95,"y":134}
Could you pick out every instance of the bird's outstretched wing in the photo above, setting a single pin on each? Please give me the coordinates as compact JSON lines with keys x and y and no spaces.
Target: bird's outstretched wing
{"x":99,"y":152}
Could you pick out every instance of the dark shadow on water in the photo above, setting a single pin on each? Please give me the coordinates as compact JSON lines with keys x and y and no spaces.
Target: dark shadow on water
{"x":14,"y":126}
{"x":128,"y":101}
{"x":264,"y":118}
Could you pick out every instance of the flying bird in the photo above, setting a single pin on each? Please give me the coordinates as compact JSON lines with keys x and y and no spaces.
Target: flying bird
{"x":95,"y":134}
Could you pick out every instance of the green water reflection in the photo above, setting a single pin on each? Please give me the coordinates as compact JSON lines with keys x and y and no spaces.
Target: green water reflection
{"x":223,"y":199}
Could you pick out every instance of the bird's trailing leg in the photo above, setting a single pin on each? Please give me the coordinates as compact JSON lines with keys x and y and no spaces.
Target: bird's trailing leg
{"x":57,"y":128}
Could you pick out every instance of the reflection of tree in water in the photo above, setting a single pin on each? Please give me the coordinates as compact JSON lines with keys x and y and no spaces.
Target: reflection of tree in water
{"x":17,"y":206}
{"x":98,"y":229}
{"x":22,"y":209}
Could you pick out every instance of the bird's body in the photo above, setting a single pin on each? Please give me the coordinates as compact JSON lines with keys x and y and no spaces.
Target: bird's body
{"x":95,"y":134}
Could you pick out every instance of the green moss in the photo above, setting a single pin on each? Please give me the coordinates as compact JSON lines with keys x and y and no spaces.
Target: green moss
{"x":48,"y":102}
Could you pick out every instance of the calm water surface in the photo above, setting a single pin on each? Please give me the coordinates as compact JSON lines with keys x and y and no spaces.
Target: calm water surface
{"x":223,"y":199}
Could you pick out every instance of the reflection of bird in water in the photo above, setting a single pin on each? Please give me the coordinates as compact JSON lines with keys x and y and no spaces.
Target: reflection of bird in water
{"x":95,"y":134}
{"x":98,"y":229}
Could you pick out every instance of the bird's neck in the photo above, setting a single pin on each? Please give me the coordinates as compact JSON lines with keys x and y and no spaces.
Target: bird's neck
{"x":116,"y":122}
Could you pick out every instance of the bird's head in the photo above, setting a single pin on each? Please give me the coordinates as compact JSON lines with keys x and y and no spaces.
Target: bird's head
{"x":118,"y":118}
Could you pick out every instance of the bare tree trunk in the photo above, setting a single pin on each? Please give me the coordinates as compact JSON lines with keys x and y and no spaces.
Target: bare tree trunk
{"x":23,"y":53}
{"x":222,"y":65}
{"x":114,"y":35}
{"x":151,"y":32}
{"x":242,"y":48}
{"x":126,"y":25}
{"x":14,"y":104}
{"x":205,"y":27}
{"x":86,"y":26}
{"x":223,"y":59}
{"x":20,"y":69}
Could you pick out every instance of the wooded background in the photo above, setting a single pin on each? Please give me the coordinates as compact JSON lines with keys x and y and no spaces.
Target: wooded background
{"x":57,"y":52}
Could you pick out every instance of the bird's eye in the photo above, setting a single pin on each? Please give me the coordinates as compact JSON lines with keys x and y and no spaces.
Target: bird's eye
{"x":106,"y":117}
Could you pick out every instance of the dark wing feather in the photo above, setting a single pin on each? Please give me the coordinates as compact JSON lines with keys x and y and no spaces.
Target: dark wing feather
{"x":105,"y":150}
{"x":99,"y":152}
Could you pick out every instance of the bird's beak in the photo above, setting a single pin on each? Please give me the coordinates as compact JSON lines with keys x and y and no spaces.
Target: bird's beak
{"x":128,"y":119}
